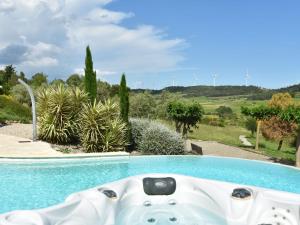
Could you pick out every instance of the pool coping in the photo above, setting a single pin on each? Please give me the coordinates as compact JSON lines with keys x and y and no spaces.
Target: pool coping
{"x":125,"y":156}
{"x":67,"y":156}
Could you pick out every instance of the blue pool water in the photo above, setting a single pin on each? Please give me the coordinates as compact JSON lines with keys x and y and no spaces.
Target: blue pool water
{"x":41,"y":184}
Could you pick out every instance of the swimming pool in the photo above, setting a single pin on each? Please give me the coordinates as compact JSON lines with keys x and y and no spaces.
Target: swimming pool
{"x":29,"y":185}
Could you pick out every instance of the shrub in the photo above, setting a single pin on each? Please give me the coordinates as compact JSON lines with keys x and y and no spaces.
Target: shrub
{"x":251,"y":125}
{"x":138,"y":126}
{"x":20,"y":93}
{"x":11,"y":110}
{"x":142,"y":105}
{"x":213,"y":120}
{"x":101,"y":128}
{"x":58,"y":109}
{"x":154,"y":138}
{"x":224,"y":112}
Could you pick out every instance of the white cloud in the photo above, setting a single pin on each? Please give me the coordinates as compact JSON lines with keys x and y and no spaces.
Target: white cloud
{"x":104,"y":16}
{"x":41,"y":63}
{"x":52,"y":36}
{"x":99,"y":73}
{"x":6,"y":5}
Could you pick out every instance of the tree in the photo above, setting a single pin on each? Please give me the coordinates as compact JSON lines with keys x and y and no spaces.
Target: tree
{"x":281,"y":100}
{"x":292,"y":114}
{"x":20,"y":94}
{"x":224,"y":111}
{"x":278,"y":130}
{"x":103,"y":90}
{"x":142,"y":105}
{"x":275,"y":128}
{"x":259,"y":113}
{"x":57,"y":82}
{"x":185,"y":115}
{"x":8,"y":78}
{"x":74,"y":80}
{"x":8,"y":73}
{"x":90,"y":80}
{"x":38,"y":79}
{"x":251,"y":125}
{"x":23,"y":77}
{"x":124,"y":99}
{"x":162,"y":102}
{"x":114,"y":91}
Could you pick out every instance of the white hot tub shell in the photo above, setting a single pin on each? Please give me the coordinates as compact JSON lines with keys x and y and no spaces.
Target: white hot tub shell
{"x":193,"y":201}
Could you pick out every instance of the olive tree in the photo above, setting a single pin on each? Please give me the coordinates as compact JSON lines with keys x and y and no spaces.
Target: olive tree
{"x":292,"y":115}
{"x":275,"y":128}
{"x":185,"y":115}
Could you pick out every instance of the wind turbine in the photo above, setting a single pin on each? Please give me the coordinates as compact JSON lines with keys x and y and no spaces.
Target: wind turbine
{"x":196,"y":79}
{"x":173,"y":82}
{"x":214,"y":76}
{"x":247,"y":77}
{"x":138,"y":85}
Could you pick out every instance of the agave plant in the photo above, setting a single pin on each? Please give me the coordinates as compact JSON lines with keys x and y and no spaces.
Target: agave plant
{"x":58,"y":109}
{"x":101,"y":128}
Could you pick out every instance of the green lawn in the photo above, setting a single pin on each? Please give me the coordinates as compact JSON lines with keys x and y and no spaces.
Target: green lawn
{"x":229,"y":135}
{"x":269,"y":148}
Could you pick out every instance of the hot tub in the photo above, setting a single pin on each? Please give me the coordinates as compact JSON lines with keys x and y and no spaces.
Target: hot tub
{"x":163,"y":199}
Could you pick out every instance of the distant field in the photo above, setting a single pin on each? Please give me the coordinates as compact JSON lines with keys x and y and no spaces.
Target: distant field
{"x":210,"y":104}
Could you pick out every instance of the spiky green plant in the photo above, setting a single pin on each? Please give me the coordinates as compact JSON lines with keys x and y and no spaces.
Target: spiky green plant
{"x":58,"y":108}
{"x":101,"y":128}
{"x":42,"y":100}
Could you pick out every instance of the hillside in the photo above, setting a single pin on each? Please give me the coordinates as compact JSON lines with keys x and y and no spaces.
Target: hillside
{"x":11,"y":110}
{"x":252,"y":92}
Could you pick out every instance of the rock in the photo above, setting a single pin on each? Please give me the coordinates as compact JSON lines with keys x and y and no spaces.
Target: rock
{"x":244,"y":141}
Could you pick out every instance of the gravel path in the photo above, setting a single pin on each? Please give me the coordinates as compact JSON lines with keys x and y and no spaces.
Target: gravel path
{"x":217,"y":149}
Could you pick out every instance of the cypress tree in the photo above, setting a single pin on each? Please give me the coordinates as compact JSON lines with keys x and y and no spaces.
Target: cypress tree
{"x":90,"y":81}
{"x":124,"y":99}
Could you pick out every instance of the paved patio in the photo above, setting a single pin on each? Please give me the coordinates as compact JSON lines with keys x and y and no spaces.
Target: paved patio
{"x":12,"y":146}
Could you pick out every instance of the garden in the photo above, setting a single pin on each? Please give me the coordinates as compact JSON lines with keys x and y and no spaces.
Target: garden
{"x":86,"y":114}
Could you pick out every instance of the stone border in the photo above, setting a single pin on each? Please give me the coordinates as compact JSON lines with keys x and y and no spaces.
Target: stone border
{"x":70,"y":156}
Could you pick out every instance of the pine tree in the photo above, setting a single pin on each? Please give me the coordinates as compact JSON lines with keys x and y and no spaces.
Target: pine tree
{"x":124,"y":99}
{"x":90,"y":81}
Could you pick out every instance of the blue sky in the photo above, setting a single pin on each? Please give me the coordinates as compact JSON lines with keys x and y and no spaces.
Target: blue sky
{"x":156,"y":42}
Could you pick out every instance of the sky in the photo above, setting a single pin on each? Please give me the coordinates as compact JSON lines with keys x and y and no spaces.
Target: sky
{"x":156,"y":43}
